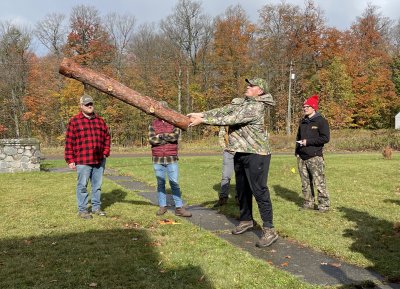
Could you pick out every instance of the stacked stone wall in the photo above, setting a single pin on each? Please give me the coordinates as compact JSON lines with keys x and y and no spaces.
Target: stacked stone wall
{"x":19,"y":155}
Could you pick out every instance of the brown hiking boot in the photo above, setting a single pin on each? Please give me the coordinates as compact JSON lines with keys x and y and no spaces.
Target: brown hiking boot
{"x":161,"y":211}
{"x":243,"y":227}
{"x":221,"y":202}
{"x":84,"y":215}
{"x":267,"y":238}
{"x":181,"y":212}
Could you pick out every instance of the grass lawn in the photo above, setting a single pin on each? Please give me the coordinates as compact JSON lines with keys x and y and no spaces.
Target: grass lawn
{"x":362,"y":228}
{"x":43,"y":244}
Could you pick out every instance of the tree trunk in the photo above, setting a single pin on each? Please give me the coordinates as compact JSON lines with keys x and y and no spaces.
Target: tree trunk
{"x":112,"y":87}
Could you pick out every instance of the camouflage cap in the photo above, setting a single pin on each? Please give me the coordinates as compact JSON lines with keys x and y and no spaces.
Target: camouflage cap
{"x":262,"y":83}
{"x":164,"y":103}
{"x":85,"y":99}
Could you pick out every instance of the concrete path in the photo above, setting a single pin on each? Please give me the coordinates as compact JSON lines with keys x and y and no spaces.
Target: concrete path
{"x":305,"y":263}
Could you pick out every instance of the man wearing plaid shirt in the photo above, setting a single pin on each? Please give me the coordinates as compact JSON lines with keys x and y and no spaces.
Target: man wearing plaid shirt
{"x":87,"y":144}
{"x":163,"y":138}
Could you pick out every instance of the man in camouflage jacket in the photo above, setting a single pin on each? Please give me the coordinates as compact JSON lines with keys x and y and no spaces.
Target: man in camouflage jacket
{"x":247,"y":138}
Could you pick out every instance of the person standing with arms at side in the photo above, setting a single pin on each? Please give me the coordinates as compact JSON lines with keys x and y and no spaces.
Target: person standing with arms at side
{"x":87,"y":145}
{"x":247,"y":138}
{"x":312,"y":134}
{"x":163,"y":138}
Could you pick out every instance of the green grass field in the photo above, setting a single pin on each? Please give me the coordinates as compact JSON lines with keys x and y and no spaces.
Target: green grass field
{"x":44,"y":245}
{"x":365,"y":199}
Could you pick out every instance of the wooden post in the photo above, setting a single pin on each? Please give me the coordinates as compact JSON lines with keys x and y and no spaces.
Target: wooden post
{"x":114,"y":88}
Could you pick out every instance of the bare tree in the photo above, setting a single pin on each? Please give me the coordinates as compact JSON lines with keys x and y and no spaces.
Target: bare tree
{"x":14,"y":44}
{"x":189,"y":29}
{"x":51,"y":32}
{"x":120,"y":28}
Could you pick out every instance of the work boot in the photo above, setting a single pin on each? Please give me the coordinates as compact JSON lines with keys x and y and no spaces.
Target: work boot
{"x":84,"y":215}
{"x":243,"y":227}
{"x":161,"y":211}
{"x":267,"y":238}
{"x":181,"y":212}
{"x":221,"y":202}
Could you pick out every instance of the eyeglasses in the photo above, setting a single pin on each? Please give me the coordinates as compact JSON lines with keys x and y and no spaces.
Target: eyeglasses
{"x":88,"y":104}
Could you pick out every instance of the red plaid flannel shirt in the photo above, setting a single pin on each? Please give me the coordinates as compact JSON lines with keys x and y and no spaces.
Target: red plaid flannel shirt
{"x":87,"y":141}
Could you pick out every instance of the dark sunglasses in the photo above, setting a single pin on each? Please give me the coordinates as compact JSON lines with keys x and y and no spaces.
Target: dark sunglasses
{"x":88,"y":104}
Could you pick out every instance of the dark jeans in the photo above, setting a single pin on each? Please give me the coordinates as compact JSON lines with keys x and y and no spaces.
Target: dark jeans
{"x":251,"y":172}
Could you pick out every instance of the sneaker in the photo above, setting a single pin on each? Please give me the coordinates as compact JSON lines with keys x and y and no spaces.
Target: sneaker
{"x":323,"y":209}
{"x":243,"y":227}
{"x":267,"y":238}
{"x":307,"y":206}
{"x":84,"y":215}
{"x":161,"y":211}
{"x":99,"y":213}
{"x":181,"y":212}
{"x":221,"y":202}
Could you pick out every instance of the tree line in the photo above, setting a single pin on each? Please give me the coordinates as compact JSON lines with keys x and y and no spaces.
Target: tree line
{"x":196,"y":62}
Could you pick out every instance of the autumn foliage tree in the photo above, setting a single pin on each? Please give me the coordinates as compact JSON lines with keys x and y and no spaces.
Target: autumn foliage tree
{"x":197,"y":63}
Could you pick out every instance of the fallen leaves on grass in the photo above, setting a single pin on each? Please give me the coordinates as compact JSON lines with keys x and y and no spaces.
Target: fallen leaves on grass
{"x":132,"y":225}
{"x":167,"y":222}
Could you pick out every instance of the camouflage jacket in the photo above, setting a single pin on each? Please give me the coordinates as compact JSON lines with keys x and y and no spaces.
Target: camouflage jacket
{"x":245,"y":118}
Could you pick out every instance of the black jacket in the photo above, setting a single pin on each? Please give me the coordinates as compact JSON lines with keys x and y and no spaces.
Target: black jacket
{"x":316,"y":131}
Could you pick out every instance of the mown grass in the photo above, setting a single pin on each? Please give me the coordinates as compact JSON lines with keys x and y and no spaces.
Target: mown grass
{"x":361,"y":228}
{"x":43,"y":244}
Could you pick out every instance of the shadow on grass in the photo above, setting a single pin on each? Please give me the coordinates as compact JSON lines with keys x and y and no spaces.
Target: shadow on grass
{"x":288,"y":195}
{"x":217,"y":189}
{"x":396,"y":202}
{"x":118,"y":196}
{"x":376,"y":240}
{"x":115,"y":259}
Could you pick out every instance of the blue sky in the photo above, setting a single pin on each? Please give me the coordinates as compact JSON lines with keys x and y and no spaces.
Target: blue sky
{"x":339,"y":13}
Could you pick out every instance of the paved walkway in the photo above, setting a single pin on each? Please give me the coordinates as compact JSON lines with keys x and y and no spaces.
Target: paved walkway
{"x":305,"y":263}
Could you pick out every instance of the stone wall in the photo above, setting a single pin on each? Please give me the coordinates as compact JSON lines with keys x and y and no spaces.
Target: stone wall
{"x":19,"y":155}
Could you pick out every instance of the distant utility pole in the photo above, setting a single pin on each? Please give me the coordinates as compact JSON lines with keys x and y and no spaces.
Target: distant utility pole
{"x":289,"y":106}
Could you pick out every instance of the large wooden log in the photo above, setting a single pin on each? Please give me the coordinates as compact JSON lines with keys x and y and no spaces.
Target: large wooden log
{"x":114,"y":88}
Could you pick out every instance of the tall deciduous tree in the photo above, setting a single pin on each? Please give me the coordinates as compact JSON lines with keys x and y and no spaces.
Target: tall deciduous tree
{"x":232,"y":58}
{"x":88,"y":41}
{"x":189,"y":29}
{"x":51,"y":32}
{"x":14,"y":64}
{"x":369,"y":66}
{"x":120,"y":28}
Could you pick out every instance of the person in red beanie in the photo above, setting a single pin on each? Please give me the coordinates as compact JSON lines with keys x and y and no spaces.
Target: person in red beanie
{"x":312,"y":134}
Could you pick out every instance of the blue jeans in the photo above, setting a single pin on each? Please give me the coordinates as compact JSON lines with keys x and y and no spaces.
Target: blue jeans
{"x":94,"y":173}
{"x":172,"y":170}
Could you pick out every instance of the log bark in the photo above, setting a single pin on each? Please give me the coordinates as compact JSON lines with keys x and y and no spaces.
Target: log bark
{"x":116,"y":89}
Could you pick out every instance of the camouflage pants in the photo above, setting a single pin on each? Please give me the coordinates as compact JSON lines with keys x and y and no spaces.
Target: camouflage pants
{"x":312,"y":172}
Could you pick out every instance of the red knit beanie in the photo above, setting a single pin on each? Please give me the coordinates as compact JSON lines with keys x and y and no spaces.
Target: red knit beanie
{"x":312,"y":101}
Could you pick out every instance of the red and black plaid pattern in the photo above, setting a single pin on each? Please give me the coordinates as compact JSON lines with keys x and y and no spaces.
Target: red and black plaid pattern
{"x":87,"y":141}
